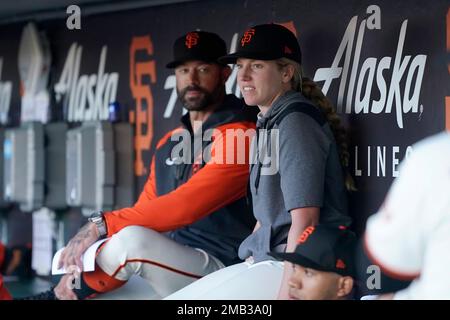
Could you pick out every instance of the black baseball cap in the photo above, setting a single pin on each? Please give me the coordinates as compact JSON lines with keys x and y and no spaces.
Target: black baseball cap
{"x":266,"y":42}
{"x":324,"y":248}
{"x":197,"y":45}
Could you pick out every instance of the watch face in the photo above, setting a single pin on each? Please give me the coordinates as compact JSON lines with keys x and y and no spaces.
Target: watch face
{"x":96,"y":214}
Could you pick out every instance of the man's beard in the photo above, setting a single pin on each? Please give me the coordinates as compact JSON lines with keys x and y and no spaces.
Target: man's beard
{"x":201,"y":102}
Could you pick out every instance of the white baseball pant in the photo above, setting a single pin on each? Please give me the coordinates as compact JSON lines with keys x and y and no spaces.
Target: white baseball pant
{"x":242,"y":281}
{"x":167,"y":265}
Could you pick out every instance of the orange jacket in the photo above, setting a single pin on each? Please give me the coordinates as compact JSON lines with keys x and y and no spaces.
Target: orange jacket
{"x":212,"y":187}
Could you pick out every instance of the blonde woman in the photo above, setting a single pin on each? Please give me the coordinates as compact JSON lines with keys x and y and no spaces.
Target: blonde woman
{"x":297,"y":178}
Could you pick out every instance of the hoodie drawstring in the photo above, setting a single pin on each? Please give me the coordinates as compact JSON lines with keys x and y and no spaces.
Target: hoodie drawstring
{"x":260,"y":124}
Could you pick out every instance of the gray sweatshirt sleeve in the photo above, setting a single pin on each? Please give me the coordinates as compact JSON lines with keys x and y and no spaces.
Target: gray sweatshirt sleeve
{"x":304,"y":149}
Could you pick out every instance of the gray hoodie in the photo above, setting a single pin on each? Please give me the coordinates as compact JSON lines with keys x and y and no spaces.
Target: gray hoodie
{"x":299,"y":168}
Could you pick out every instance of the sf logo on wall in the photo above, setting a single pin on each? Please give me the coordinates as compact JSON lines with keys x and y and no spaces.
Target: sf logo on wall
{"x":142,"y":116}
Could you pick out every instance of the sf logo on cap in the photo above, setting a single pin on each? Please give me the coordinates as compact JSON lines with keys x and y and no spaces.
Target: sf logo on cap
{"x":191,"y":39}
{"x":247,"y":36}
{"x":304,"y":236}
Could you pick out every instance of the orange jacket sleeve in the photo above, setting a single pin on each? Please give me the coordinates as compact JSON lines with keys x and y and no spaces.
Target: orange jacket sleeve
{"x":212,"y":187}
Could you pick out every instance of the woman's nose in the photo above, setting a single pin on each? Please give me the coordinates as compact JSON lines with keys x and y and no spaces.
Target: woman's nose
{"x":244,"y":74}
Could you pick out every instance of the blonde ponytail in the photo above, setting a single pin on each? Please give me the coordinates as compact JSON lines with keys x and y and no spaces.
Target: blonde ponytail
{"x":313,"y":92}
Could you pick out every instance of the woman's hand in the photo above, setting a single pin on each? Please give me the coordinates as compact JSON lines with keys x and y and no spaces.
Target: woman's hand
{"x":301,"y":219}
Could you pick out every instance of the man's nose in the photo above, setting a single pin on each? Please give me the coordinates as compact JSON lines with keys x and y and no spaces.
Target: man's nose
{"x":295,"y":282}
{"x":192,"y":77}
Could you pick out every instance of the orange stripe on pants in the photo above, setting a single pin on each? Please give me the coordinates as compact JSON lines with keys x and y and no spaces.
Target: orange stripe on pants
{"x":100,"y":281}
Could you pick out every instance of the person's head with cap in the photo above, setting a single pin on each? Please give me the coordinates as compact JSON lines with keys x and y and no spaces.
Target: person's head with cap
{"x":323,"y":264}
{"x":199,"y":75}
{"x":269,"y":62}
{"x":268,"y":58}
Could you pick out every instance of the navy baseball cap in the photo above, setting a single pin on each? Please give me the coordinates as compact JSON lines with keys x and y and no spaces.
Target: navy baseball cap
{"x":324,"y":248}
{"x":266,"y":42}
{"x":197,"y":45}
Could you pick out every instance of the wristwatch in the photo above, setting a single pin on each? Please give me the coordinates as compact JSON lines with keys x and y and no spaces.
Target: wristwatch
{"x":98,"y":219}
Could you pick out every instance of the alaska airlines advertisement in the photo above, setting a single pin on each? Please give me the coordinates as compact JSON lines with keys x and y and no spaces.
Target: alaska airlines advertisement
{"x":384,"y":65}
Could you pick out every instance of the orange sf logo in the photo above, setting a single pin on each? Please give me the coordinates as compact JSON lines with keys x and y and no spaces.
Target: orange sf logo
{"x":247,"y":36}
{"x":308,"y":231}
{"x":191,"y":39}
{"x":340,"y":264}
{"x":142,"y":116}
